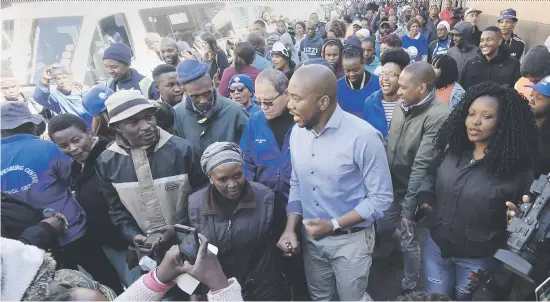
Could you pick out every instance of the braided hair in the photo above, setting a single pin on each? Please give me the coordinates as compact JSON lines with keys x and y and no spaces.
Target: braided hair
{"x":514,"y":144}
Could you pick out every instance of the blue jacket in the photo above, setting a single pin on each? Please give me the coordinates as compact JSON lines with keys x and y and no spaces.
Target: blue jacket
{"x":260,"y":62}
{"x":374,"y":113}
{"x":36,"y":172}
{"x":60,"y":103}
{"x":264,"y":162}
{"x":253,"y":108}
{"x":353,"y":101}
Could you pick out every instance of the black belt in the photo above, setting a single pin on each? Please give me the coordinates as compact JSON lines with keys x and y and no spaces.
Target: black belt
{"x":347,"y":231}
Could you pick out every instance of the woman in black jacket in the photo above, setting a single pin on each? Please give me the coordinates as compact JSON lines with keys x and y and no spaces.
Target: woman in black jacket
{"x":72,"y":136}
{"x":215,"y":57}
{"x":236,"y":215}
{"x":488,"y":147}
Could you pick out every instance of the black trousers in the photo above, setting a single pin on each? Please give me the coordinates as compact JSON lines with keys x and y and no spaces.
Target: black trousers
{"x":89,"y":254}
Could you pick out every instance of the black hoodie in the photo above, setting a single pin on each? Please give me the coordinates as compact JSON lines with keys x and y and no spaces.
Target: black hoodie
{"x":502,"y":69}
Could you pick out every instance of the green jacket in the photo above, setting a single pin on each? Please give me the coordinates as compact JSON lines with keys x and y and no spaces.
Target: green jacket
{"x":226,"y":123}
{"x":410,"y":148}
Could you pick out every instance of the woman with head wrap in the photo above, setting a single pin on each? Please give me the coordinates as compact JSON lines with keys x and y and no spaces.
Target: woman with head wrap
{"x":332,"y":52}
{"x":236,"y":216}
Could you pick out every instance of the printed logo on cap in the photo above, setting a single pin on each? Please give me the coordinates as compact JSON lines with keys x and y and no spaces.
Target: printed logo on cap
{"x":102,"y":95}
{"x":237,"y":79}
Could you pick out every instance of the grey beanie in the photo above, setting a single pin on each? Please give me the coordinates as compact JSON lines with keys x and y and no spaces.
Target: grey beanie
{"x":220,"y":153}
{"x":536,"y":62}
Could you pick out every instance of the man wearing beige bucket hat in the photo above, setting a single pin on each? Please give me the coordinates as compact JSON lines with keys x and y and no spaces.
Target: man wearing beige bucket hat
{"x":147,"y":174}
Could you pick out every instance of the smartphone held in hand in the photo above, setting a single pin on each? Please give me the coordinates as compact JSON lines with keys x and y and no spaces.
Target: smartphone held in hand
{"x":188,"y":242}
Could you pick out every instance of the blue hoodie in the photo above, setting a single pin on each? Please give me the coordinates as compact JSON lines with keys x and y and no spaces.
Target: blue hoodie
{"x":353,"y":101}
{"x":312,"y":47}
{"x":373,"y":113}
{"x":41,"y":179}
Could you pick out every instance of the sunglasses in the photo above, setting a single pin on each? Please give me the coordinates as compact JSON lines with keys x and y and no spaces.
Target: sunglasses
{"x":239,"y":89}
{"x":267,"y":103}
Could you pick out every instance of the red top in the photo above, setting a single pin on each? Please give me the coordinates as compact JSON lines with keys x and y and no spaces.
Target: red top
{"x":445,"y":15}
{"x":230,"y":71}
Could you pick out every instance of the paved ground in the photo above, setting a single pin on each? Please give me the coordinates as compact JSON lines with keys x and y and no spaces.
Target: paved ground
{"x":386,"y":274}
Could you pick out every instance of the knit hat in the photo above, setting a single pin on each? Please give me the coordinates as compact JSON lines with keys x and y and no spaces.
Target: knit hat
{"x":15,"y":114}
{"x":94,"y":99}
{"x":279,"y":49}
{"x":242,"y":78}
{"x":446,"y":24}
{"x":124,"y":104}
{"x":190,"y":70}
{"x":119,"y":52}
{"x":220,"y":153}
{"x":365,"y":33}
{"x":536,"y":62}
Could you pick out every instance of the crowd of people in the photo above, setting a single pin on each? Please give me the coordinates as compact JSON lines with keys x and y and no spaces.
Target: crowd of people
{"x":298,"y":151}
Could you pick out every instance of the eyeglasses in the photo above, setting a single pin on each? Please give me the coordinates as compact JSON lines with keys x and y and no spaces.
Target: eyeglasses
{"x":388,"y":75}
{"x":267,"y":103}
{"x":239,"y":89}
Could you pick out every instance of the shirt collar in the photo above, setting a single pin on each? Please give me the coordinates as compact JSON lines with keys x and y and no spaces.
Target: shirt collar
{"x":424,"y":101}
{"x":334,"y":121}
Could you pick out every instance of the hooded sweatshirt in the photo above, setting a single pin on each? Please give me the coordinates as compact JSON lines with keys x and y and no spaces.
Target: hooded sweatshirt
{"x":468,"y":51}
{"x":312,"y":47}
{"x":339,"y":68}
{"x":297,"y":55}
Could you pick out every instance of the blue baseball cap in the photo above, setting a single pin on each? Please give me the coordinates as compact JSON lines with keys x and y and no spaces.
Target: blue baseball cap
{"x":94,"y":99}
{"x":542,"y":87}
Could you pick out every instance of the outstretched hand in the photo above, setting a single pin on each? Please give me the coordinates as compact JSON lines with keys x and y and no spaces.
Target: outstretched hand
{"x":207,"y":269}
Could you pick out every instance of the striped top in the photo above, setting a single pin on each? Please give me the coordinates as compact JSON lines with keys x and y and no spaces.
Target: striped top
{"x":388,"y":110}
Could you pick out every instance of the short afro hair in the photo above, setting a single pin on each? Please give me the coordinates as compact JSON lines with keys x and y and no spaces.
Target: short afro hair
{"x":162,"y":69}
{"x":392,"y":40}
{"x":449,"y":70}
{"x":65,"y":121}
{"x":395,"y":55}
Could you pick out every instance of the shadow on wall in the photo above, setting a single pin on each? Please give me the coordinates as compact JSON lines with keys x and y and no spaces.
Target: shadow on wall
{"x":532,"y":33}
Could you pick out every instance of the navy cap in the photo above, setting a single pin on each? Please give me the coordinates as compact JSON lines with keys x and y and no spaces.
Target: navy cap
{"x":190,"y":70}
{"x":242,"y":78}
{"x":508,"y":13}
{"x":542,"y":87}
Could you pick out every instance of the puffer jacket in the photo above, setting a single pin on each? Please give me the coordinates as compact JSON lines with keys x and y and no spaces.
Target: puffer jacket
{"x":265,"y":162}
{"x":502,"y":69}
{"x":457,"y":187}
{"x":246,"y":246}
{"x":175,"y":172}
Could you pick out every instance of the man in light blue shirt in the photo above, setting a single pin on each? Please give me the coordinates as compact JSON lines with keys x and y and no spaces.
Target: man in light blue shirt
{"x":260,"y":62}
{"x":340,"y":185}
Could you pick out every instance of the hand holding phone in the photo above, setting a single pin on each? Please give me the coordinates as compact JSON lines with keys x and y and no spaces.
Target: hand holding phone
{"x":188,"y":242}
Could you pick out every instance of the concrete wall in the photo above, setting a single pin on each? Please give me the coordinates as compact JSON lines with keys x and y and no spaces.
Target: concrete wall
{"x":533,"y":25}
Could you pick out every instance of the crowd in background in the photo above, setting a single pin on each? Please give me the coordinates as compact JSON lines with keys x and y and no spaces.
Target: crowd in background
{"x":300,"y":150}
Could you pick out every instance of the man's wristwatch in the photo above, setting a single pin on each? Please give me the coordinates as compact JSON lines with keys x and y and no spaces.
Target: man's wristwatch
{"x":335,"y":225}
